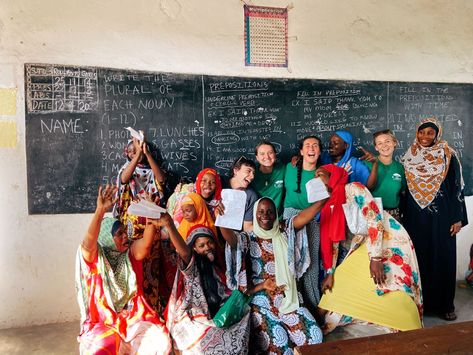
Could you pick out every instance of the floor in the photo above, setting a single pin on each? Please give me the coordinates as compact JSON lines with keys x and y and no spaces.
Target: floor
{"x":55,"y":339}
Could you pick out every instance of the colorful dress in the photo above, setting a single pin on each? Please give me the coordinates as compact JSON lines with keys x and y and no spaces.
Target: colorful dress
{"x":189,"y":321}
{"x":273,"y":331}
{"x":141,"y":183}
{"x":115,"y":318}
{"x":398,"y":303}
{"x":434,"y":203}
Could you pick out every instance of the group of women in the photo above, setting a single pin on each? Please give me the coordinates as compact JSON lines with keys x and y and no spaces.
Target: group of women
{"x":159,"y":285}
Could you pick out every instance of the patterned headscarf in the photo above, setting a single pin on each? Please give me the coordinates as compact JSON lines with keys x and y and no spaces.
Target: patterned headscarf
{"x":427,"y":167}
{"x":203,"y":215}
{"x":284,"y":276}
{"x":198,"y":231}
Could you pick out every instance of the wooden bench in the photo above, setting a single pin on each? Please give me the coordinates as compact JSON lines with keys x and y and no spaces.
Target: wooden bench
{"x":456,"y":338}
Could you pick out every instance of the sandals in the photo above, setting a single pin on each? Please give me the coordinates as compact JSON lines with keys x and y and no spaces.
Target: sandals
{"x":449,"y":316}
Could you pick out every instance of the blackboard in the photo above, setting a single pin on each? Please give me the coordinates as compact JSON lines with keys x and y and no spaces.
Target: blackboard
{"x":75,"y":119}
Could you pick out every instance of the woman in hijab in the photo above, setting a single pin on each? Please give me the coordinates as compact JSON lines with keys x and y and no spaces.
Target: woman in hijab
{"x":340,"y":154}
{"x":199,"y":291}
{"x":435,"y":212}
{"x":207,"y":189}
{"x":115,"y":317}
{"x":140,"y":177}
{"x":208,"y":185}
{"x":378,"y":282}
{"x":279,"y":320}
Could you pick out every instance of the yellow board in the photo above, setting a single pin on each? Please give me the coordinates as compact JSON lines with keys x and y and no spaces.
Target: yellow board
{"x":7,"y":134}
{"x":354,"y":295}
{"x":8,"y":101}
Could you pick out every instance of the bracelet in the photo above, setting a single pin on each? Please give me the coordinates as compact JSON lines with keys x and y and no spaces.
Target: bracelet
{"x":330,"y":271}
{"x":377,"y":258}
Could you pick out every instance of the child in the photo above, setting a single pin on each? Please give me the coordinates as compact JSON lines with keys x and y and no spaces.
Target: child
{"x":139,"y":178}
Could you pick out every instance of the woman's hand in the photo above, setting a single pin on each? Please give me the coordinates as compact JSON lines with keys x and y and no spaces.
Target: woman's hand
{"x":105,"y":197}
{"x":455,"y":228}
{"x":269,"y":285}
{"x":377,"y":271}
{"x":164,"y":221}
{"x":368,"y":156}
{"x":327,"y":283}
{"x":295,"y":159}
{"x":219,"y":209}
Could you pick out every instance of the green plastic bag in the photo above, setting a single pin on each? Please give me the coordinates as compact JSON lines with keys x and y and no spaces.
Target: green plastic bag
{"x":233,"y":310}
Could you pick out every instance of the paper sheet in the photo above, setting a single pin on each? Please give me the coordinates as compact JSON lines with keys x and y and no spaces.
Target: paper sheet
{"x":146,"y":209}
{"x":135,"y":134}
{"x":234,"y":202}
{"x":316,"y":190}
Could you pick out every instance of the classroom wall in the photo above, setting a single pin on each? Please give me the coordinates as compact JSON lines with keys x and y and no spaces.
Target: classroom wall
{"x":406,"y":40}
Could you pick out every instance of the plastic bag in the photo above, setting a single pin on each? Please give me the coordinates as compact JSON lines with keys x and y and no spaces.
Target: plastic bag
{"x":233,"y":310}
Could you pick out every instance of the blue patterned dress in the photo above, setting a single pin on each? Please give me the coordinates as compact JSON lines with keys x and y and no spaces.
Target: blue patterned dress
{"x":272,"y":331}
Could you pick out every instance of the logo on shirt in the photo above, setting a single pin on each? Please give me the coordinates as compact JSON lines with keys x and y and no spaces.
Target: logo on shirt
{"x":279,"y":184}
{"x":397,"y":177}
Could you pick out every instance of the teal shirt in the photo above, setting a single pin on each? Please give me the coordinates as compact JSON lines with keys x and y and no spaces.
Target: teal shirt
{"x":294,"y":199}
{"x":271,"y":185}
{"x":391,"y":181}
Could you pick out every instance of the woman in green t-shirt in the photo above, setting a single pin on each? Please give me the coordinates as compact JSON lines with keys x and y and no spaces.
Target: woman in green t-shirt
{"x":269,"y":176}
{"x":295,"y":201}
{"x":388,"y":180}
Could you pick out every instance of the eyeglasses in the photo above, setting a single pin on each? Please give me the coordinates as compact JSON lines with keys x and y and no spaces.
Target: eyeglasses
{"x":241,"y":159}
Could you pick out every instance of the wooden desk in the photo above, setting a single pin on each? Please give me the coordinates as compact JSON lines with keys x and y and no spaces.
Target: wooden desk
{"x":456,"y":338}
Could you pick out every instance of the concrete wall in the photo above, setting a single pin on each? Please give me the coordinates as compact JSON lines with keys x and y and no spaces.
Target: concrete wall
{"x":420,"y":40}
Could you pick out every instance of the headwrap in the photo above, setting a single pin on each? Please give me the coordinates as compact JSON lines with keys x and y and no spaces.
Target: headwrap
{"x":431,"y":125}
{"x":332,"y":217}
{"x":427,"y":167}
{"x":284,"y":277}
{"x":203,"y":215}
{"x":347,"y":138}
{"x":218,"y":188}
{"x":198,"y":231}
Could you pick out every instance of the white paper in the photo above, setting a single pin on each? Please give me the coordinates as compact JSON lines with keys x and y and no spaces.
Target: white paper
{"x":146,"y":209}
{"x":316,"y":190}
{"x":135,"y":134}
{"x":234,"y":202}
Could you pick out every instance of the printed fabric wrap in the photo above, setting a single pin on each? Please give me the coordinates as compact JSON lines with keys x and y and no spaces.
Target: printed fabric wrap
{"x":427,"y":167}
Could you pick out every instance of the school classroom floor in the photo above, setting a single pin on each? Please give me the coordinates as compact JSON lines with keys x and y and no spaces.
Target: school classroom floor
{"x":60,"y":338}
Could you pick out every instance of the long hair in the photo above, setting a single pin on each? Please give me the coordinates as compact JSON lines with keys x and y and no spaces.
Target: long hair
{"x":300,"y":161}
{"x":209,"y":283}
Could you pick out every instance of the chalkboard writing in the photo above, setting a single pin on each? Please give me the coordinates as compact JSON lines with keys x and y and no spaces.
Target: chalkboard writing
{"x":75,"y":119}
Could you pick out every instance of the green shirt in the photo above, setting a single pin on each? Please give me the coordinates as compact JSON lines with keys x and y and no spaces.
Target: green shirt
{"x":294,"y":199}
{"x":271,"y":185}
{"x":391,"y":181}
